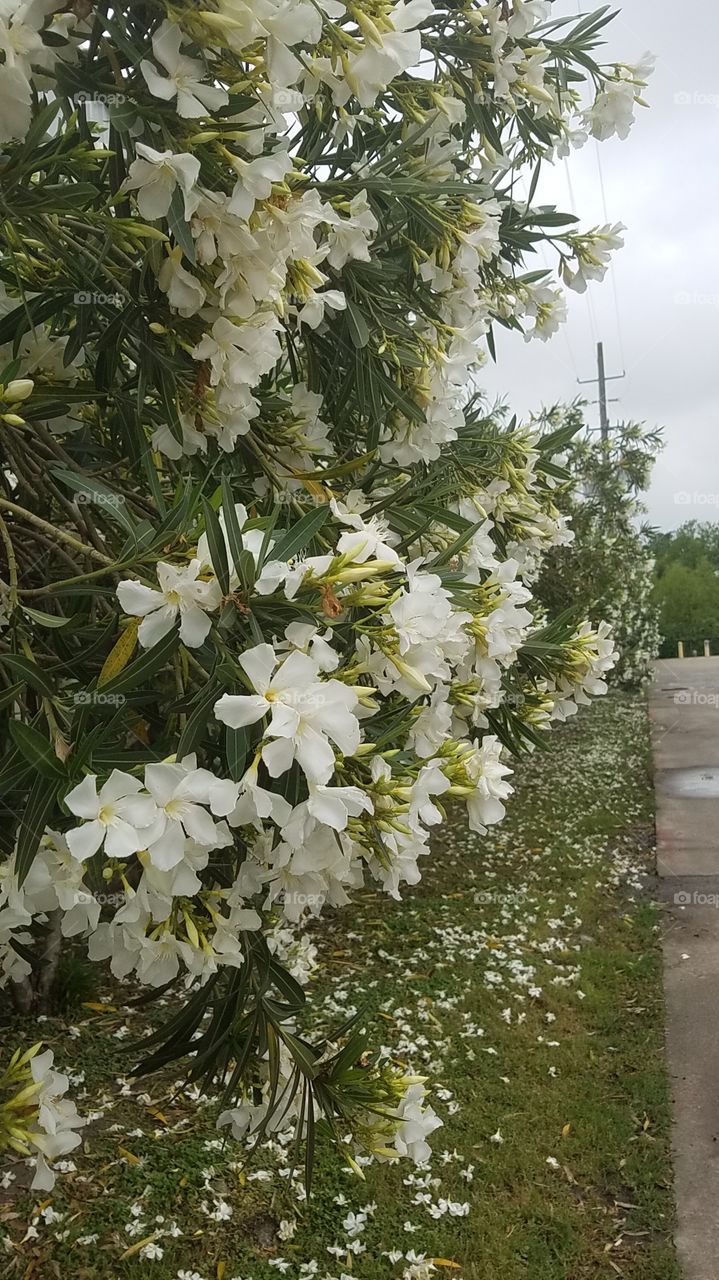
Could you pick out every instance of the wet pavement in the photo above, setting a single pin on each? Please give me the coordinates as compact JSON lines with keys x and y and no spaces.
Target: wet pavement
{"x":684,"y":711}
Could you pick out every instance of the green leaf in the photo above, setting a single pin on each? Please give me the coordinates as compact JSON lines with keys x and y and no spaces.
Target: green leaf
{"x":195,"y":727}
{"x":300,"y":534}
{"x":40,"y":804}
{"x":455,"y":547}
{"x":99,"y":494}
{"x":31,"y":673}
{"x":237,"y":746}
{"x":179,"y":226}
{"x":45,"y":619}
{"x":243,"y":560}
{"x":357,"y":325}
{"x":9,"y":695}
{"x":36,"y":748}
{"x":301,"y":1051}
{"x":218,"y":548}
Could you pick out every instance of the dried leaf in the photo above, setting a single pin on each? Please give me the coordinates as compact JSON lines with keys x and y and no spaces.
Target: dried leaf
{"x":120,"y":654}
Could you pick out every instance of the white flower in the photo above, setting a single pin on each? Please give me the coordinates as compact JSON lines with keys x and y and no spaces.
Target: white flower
{"x":240,"y":353}
{"x":613,"y":109}
{"x":487,"y":773}
{"x":151,"y":1252}
{"x":180,"y":791}
{"x":193,"y":441}
{"x":371,"y":70}
{"x":417,"y":1122}
{"x":184,"y":292}
{"x":115,"y":818}
{"x":255,"y":179}
{"x":15,"y":102}
{"x":181,"y":593}
{"x":593,"y":256}
{"x":370,"y":539}
{"x":335,"y":805}
{"x":156,"y":174}
{"x":349,"y":237}
{"x":54,"y":1133}
{"x":313,"y":309}
{"x":305,"y":712}
{"x":184,"y":76}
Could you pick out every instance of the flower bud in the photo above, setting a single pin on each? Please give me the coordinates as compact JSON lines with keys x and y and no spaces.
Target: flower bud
{"x":18,"y":389}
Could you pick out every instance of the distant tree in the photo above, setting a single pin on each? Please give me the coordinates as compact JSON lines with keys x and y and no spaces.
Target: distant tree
{"x":687,"y":586}
{"x":692,"y":542}
{"x":609,"y":565}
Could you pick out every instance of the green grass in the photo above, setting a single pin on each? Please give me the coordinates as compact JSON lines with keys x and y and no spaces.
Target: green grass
{"x":548,"y":917}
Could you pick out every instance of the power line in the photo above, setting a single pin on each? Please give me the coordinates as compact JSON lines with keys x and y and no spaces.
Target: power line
{"x":612,"y":273}
{"x":590,"y":304}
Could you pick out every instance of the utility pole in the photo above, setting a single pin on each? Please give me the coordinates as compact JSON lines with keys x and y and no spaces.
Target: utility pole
{"x":601,"y":380}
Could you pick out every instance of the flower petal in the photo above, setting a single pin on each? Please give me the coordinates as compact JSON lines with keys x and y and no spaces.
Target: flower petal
{"x":240,"y":710}
{"x":84,"y":841}
{"x":83,"y":799}
{"x":259,"y":663}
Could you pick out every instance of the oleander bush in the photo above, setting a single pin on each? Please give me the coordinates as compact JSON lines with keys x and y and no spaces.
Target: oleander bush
{"x":267,"y":600}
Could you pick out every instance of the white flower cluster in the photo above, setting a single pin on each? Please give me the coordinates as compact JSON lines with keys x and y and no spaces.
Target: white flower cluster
{"x":26,"y":56}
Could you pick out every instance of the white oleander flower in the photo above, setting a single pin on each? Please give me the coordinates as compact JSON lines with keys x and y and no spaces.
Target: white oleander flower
{"x":417,"y":1122}
{"x":155,"y":176}
{"x":180,"y":792}
{"x":182,"y":594}
{"x":184,"y":76}
{"x":115,"y":817}
{"x":54,"y":1132}
{"x":184,"y":292}
{"x":305,"y":713}
{"x":485,"y":770}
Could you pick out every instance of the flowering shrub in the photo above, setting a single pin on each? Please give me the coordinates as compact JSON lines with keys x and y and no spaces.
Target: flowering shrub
{"x":267,"y":605}
{"x":608,"y":571}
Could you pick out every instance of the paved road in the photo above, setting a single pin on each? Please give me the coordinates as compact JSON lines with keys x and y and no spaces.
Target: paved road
{"x":684,"y":711}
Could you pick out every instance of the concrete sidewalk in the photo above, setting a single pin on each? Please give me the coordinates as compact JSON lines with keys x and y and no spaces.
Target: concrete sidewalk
{"x":684,"y":712}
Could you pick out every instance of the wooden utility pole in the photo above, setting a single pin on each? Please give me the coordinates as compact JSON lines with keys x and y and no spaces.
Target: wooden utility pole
{"x":601,"y":380}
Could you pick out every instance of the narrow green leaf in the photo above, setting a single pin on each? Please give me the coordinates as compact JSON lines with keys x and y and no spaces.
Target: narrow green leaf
{"x":218,"y":548}
{"x":357,"y":325}
{"x":36,"y":748}
{"x":300,"y":534}
{"x":237,"y":746}
{"x":41,"y":802}
{"x":31,"y":673}
{"x":179,"y":227}
{"x":98,"y":494}
{"x":45,"y":619}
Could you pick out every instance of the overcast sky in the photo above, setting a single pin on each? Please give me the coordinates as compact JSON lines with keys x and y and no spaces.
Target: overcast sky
{"x":663,"y":183}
